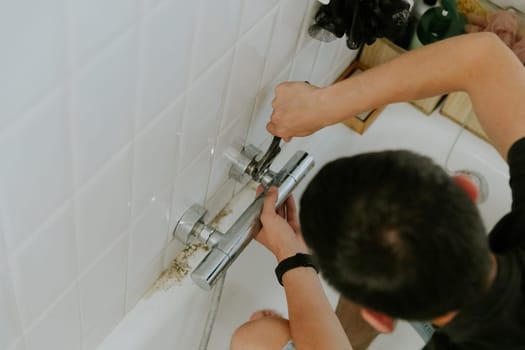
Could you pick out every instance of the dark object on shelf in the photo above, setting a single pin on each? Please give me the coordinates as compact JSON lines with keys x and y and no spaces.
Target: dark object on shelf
{"x":439,"y":23}
{"x":361,"y":20}
{"x":417,"y":11}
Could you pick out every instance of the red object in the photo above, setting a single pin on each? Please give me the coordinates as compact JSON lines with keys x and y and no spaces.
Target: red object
{"x":468,"y":186}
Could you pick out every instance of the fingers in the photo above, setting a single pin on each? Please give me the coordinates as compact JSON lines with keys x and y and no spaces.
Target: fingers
{"x":259,"y":190}
{"x":291,"y":207}
{"x":271,"y":128}
{"x":274,"y":130}
{"x":291,"y":212}
{"x":269,"y":204}
{"x":281,"y":211}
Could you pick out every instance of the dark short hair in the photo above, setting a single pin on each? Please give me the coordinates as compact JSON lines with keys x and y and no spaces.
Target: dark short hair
{"x":393,"y":232}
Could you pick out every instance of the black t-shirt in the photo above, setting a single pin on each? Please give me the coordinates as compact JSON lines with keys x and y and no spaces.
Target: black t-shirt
{"x":497,"y":321}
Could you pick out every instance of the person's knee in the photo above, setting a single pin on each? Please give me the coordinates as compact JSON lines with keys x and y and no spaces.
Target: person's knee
{"x":242,"y":337}
{"x":262,"y":334}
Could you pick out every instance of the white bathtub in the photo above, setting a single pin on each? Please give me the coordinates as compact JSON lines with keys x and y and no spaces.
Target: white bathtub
{"x":174,"y":319}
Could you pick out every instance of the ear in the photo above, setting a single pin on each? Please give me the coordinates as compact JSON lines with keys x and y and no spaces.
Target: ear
{"x":381,"y":322}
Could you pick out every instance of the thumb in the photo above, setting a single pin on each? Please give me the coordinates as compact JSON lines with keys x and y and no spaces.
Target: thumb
{"x":269,"y":203}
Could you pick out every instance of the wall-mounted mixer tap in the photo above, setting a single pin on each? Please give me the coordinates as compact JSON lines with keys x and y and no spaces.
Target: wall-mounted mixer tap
{"x":226,"y":247}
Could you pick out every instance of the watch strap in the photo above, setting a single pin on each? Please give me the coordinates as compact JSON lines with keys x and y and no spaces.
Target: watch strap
{"x":298,"y":260}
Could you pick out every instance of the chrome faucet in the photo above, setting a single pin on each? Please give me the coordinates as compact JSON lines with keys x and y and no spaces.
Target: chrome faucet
{"x":226,"y":247}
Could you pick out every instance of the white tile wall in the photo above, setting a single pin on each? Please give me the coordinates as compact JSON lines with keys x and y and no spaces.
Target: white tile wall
{"x":33,"y":37}
{"x":167,"y":40}
{"x":35,"y":171}
{"x":248,"y":67}
{"x":204,"y":107}
{"x":45,"y":266}
{"x":94,"y":23}
{"x":114,"y":118}
{"x":60,"y":328}
{"x":102,"y":293}
{"x":103,"y":95}
{"x":104,"y":208}
{"x":216,"y":33}
{"x":156,"y":157}
{"x":10,"y":328}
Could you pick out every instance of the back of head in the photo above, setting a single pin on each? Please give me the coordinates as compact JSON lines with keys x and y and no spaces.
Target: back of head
{"x":393,"y":232}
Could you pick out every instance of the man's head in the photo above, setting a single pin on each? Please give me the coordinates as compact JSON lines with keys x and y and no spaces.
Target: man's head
{"x":393,"y":232}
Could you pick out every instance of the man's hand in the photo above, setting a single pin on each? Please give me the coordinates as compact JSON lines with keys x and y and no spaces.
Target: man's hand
{"x":280,"y":231}
{"x":296,"y":111}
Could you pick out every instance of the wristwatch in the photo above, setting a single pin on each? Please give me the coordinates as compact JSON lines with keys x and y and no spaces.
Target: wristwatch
{"x":298,"y":260}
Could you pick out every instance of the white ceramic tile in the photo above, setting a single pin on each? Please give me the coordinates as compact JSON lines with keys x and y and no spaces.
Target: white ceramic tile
{"x":263,"y":109}
{"x":35,"y":170}
{"x":156,"y":157}
{"x":103,"y":106}
{"x":217,"y":31}
{"x":149,"y":234}
{"x":324,"y":65}
{"x":204,"y":110}
{"x":139,"y":286}
{"x":253,"y":11}
{"x":152,"y":4}
{"x":284,"y":38}
{"x":303,"y":64}
{"x":248,"y":67}
{"x":96,"y":22}
{"x":168,"y":38}
{"x":45,"y":266}
{"x":103,"y":208}
{"x":217,"y":201}
{"x":102,"y":294}
{"x":305,"y":38}
{"x":190,"y":186}
{"x":60,"y":328}
{"x":3,"y":249}
{"x":10,"y":328}
{"x":345,"y":56}
{"x":33,"y":38}
{"x":229,"y":144}
{"x":19,"y":345}
{"x":472,"y":153}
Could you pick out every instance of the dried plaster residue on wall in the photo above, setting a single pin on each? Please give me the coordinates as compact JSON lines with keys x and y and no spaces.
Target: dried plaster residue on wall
{"x":178,"y":269}
{"x":180,"y":266}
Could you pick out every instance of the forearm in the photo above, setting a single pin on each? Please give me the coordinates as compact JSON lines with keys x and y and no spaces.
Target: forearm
{"x":313,"y":323}
{"x":475,"y":63}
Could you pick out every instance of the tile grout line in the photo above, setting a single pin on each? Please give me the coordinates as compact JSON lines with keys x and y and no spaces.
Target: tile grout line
{"x":139,"y":81}
{"x":276,"y":8}
{"x":226,"y":96}
{"x":74,"y":162}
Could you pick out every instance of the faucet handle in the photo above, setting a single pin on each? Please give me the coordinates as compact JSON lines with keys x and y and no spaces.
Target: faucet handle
{"x":242,"y":162}
{"x":246,"y":162}
{"x":188,"y":224}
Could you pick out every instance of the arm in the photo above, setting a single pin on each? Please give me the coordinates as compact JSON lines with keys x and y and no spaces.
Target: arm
{"x":479,"y":64}
{"x":313,"y":323}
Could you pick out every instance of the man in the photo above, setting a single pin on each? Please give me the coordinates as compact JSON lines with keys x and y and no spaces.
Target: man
{"x":407,"y":242}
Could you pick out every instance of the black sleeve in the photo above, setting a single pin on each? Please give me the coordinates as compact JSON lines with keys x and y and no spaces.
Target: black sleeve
{"x":439,"y":342}
{"x":516,"y":160}
{"x":509,"y":232}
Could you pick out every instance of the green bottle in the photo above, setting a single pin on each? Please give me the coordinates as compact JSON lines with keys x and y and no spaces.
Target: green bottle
{"x":439,"y":23}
